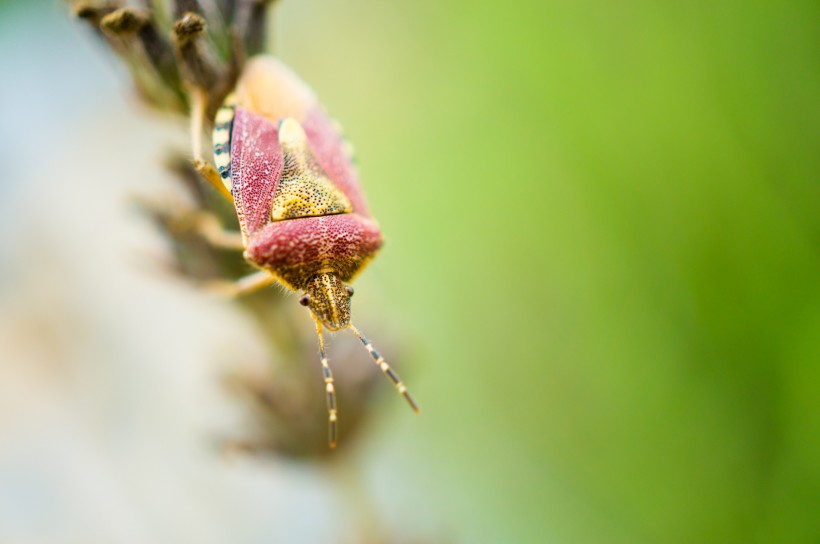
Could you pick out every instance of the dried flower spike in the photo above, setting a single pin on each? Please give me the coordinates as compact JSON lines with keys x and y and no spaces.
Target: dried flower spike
{"x":282,"y":163}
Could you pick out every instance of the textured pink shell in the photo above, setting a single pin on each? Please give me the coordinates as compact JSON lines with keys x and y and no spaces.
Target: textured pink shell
{"x":312,"y":244}
{"x":256,"y":166}
{"x":293,"y":249}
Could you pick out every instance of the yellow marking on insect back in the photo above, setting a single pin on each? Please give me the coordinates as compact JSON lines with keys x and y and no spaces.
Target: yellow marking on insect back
{"x":304,"y":189}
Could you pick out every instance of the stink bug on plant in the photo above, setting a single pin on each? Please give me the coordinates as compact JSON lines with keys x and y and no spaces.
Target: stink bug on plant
{"x":303,"y":217}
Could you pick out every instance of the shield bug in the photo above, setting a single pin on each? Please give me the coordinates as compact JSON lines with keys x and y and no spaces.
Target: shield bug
{"x":303,"y":217}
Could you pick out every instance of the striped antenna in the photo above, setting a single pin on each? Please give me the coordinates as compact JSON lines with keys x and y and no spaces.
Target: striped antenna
{"x":386,"y":369}
{"x":330,"y":388}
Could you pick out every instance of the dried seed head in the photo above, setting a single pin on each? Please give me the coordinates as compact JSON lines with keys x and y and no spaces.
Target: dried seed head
{"x":125,"y":20}
{"x":196,"y":57}
{"x":189,"y":27}
{"x":92,"y":13}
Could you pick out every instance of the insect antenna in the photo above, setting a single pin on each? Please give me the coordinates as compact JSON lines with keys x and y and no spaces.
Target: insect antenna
{"x":389,"y":372}
{"x":330,"y":388}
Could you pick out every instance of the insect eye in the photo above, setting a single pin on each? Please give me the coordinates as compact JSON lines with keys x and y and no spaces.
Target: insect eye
{"x":304,"y":300}
{"x":349,"y":290}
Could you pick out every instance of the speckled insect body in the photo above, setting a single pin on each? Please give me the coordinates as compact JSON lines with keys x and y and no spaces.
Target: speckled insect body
{"x":302,"y":214}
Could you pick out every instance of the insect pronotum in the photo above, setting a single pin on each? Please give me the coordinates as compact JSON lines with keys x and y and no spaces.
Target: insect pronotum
{"x":303,"y":217}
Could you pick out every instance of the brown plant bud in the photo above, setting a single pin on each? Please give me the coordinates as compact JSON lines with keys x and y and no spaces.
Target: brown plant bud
{"x":195,"y":56}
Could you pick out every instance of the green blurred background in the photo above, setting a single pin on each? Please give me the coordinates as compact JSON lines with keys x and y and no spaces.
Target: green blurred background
{"x":604,"y":218}
{"x":602,"y":230}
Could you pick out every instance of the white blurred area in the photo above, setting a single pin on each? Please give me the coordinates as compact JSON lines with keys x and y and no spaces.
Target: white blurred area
{"x":110,"y":404}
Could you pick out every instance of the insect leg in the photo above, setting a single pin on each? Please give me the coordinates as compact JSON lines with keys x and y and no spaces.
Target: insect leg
{"x":330,"y":388}
{"x":243,"y":286}
{"x":209,"y":173}
{"x":400,"y":387}
{"x":208,"y":226}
